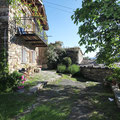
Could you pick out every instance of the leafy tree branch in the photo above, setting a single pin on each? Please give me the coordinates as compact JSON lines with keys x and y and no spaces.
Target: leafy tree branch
{"x":100,"y":28}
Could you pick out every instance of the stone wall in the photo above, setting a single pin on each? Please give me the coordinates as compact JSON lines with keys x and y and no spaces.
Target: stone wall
{"x":17,"y":44}
{"x":13,"y":43}
{"x":4,"y":11}
{"x":95,"y":73}
{"x":15,"y":55}
{"x":75,"y":54}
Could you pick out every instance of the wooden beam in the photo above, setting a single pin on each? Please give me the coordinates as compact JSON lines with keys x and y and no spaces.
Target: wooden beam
{"x":38,"y":44}
{"x":31,"y":41}
{"x":41,"y":46}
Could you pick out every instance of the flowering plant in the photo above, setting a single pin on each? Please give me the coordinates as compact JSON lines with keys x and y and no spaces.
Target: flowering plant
{"x":23,"y":79}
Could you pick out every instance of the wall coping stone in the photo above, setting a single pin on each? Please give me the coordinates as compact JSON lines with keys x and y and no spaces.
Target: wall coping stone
{"x":94,"y":67}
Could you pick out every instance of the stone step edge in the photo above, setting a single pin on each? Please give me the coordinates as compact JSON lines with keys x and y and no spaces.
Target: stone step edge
{"x":40,"y":85}
{"x":37,"y":87}
{"x":116,"y":92}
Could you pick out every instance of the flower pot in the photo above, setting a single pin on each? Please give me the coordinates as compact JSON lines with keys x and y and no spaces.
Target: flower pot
{"x":114,"y":82}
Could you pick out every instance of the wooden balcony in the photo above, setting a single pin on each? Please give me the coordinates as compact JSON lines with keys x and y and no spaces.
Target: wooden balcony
{"x":32,"y":34}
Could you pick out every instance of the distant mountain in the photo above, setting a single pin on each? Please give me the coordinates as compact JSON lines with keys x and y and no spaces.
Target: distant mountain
{"x":93,"y":58}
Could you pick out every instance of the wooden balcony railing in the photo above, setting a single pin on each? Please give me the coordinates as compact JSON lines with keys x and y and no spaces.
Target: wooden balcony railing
{"x":29,"y":29}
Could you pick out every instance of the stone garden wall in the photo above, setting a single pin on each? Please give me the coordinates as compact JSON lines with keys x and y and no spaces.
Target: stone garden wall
{"x":95,"y":73}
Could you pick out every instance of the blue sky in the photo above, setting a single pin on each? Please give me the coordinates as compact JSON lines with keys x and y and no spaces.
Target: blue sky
{"x":61,"y":27}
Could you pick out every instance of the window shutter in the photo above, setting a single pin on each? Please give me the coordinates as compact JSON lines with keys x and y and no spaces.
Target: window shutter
{"x":30,"y":57}
{"x":23,"y":55}
{"x":33,"y":56}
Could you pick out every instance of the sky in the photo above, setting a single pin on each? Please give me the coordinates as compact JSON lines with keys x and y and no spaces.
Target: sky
{"x":61,"y":26}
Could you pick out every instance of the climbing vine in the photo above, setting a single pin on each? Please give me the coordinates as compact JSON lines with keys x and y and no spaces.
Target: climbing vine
{"x":15,"y":5}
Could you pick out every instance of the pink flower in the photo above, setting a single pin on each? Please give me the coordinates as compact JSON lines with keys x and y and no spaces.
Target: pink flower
{"x":23,"y":82}
{"x":22,"y":77}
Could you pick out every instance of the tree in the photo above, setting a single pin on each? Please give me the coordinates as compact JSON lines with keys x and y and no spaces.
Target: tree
{"x":100,"y":28}
{"x":55,"y":54}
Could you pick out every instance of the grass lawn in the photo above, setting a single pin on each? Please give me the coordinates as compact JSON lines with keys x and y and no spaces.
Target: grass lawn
{"x":64,"y":76}
{"x":11,"y":104}
{"x":49,"y":111}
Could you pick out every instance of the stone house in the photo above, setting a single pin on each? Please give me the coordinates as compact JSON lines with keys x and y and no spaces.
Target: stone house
{"x":22,"y":33}
{"x":75,"y":53}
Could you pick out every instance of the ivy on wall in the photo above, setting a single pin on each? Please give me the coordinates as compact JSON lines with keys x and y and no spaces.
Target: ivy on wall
{"x":16,"y":3}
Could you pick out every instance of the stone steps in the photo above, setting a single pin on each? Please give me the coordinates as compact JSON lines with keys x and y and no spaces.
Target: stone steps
{"x":39,"y":86}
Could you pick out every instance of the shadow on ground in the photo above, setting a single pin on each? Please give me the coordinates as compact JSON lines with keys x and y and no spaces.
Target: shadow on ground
{"x":12,"y":104}
{"x":78,"y":102}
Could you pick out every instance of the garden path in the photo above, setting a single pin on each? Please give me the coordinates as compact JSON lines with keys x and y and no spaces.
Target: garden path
{"x":71,"y":100}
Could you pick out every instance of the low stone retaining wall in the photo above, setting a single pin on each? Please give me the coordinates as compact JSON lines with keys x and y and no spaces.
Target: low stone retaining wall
{"x":95,"y":73}
{"x":116,"y":92}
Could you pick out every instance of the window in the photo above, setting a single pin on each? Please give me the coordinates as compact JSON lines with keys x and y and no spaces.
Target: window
{"x":32,"y":56}
{"x":24,"y":55}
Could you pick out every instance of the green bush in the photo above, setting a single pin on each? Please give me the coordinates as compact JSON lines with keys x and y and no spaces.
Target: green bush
{"x":73,"y":69}
{"x":10,"y":81}
{"x":115,"y":76}
{"x":67,"y":61}
{"x":61,"y":68}
{"x":15,"y":79}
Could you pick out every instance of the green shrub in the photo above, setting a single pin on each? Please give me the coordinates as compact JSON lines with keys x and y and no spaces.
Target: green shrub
{"x":73,"y":69}
{"x":10,"y":81}
{"x":115,"y":76}
{"x":15,"y":79}
{"x":61,"y":68}
{"x":67,"y":61}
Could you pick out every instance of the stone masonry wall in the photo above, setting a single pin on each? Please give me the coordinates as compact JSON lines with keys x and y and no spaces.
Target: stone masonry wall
{"x":11,"y":42}
{"x":4,"y":11}
{"x":16,"y":44}
{"x":95,"y":73}
{"x":15,"y":55}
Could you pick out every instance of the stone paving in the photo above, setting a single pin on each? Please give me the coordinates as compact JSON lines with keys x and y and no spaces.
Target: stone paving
{"x":48,"y":76}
